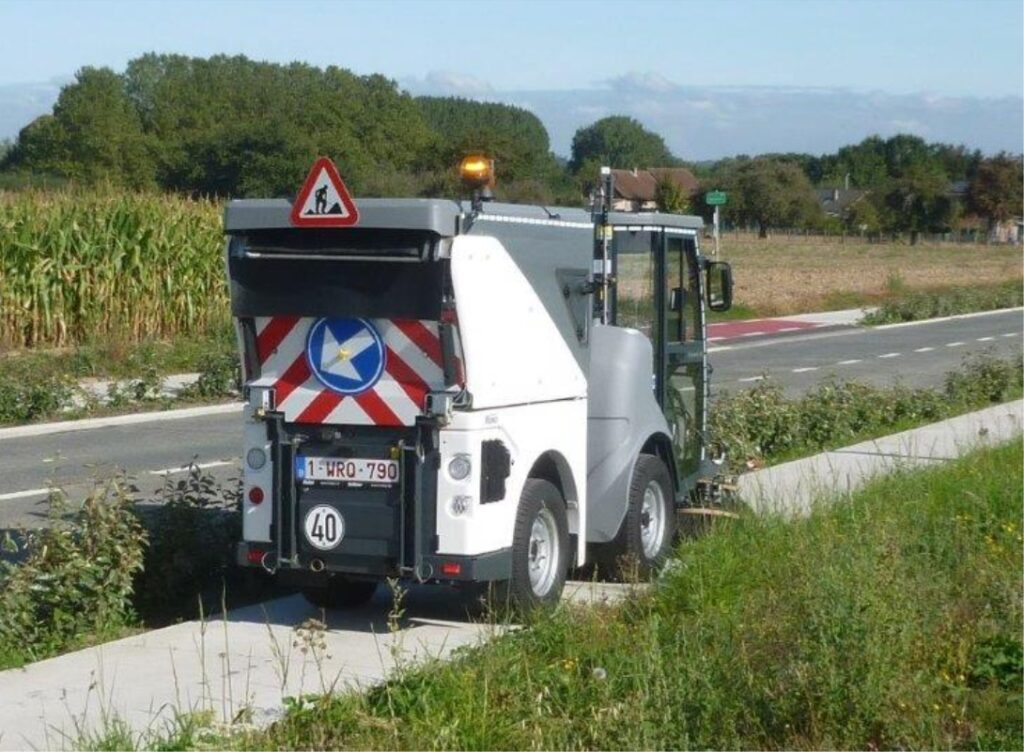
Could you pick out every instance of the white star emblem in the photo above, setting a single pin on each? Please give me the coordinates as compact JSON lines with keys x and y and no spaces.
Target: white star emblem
{"x":336,"y":357}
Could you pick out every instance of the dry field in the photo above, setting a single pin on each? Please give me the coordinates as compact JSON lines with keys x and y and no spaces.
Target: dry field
{"x":784,"y":275}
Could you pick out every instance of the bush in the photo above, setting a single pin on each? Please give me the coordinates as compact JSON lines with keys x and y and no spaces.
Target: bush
{"x":191,"y":529}
{"x":26,"y":396}
{"x":762,"y":425}
{"x":94,"y":571}
{"x":929,"y":304}
{"x":219,"y":376}
{"x":73,"y":580}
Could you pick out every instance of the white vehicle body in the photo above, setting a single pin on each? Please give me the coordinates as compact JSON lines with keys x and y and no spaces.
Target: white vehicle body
{"x":413,"y":383}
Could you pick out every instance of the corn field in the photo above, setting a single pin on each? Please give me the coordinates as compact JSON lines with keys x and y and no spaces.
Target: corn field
{"x":80,"y":267}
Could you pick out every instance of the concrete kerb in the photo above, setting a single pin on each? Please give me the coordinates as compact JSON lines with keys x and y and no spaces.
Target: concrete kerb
{"x":793,"y":488}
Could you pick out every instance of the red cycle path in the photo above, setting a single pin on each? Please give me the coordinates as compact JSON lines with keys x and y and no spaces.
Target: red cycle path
{"x":734,"y":329}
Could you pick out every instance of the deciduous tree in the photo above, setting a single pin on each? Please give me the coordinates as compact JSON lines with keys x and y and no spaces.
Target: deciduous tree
{"x":619,"y":142}
{"x":770,"y":194}
{"x":996,"y":192}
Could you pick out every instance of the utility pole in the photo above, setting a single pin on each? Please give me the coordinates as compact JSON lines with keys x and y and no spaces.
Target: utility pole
{"x":716,"y":229}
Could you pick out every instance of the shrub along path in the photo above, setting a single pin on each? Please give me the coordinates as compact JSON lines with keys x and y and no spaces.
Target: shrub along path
{"x":243,"y":666}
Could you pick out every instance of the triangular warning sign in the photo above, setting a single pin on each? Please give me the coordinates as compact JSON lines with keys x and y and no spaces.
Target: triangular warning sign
{"x":324,"y":201}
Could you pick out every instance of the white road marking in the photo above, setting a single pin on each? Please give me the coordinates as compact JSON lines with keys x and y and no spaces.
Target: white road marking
{"x":985,"y":339}
{"x":185,"y":468}
{"x":25,"y":494}
{"x":790,"y":329}
{"x":1012,"y":334}
{"x":953,"y":344}
{"x":752,"y":378}
{"x":848,"y":362}
{"x":805,"y":370}
{"x":752,"y":334}
{"x":889,"y":355}
{"x":924,"y":349}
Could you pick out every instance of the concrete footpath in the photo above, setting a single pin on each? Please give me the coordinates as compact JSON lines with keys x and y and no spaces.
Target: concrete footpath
{"x":238,"y":668}
{"x":243,"y":665}
{"x":792,"y":488}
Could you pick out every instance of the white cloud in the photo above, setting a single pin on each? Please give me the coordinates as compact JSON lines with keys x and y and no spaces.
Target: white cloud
{"x":641,"y":81}
{"x":448,"y":83}
{"x":915,"y":127}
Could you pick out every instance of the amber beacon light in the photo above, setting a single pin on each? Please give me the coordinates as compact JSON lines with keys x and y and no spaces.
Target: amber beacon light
{"x":477,"y":171}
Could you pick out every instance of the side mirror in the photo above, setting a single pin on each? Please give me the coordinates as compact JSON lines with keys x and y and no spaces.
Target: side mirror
{"x":718,"y":285}
{"x":677,"y":299}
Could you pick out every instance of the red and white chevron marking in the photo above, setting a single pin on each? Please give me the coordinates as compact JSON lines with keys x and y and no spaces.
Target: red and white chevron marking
{"x":413,"y":367}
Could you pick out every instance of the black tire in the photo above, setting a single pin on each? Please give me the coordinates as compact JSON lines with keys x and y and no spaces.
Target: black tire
{"x":340,"y":592}
{"x":638,"y":550}
{"x":541,"y":503}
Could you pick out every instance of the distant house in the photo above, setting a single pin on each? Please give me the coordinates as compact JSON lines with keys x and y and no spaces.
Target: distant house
{"x":635,"y":189}
{"x":836,"y":202}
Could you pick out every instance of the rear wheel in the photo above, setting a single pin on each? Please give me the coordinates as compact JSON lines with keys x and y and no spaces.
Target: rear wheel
{"x":540,"y":550}
{"x":340,"y":592}
{"x":649,"y":527}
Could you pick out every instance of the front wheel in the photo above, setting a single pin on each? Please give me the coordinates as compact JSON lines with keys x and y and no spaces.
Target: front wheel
{"x":649,"y":527}
{"x":540,"y":550}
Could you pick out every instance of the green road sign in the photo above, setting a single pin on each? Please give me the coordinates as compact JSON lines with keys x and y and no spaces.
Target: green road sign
{"x":715,"y":198}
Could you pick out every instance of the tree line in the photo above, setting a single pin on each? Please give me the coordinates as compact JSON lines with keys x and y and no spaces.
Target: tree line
{"x":229,"y":126}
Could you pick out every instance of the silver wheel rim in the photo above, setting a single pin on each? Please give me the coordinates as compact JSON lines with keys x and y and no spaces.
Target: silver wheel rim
{"x":652,"y":520}
{"x":543,"y":553}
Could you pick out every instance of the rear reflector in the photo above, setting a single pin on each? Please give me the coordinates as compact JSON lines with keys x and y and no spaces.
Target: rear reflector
{"x":451,"y":568}
{"x":256,"y":495}
{"x":254,"y":556}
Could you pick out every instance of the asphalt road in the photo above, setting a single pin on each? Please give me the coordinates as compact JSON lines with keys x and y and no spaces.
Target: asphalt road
{"x":915,"y":354}
{"x":154,"y":453}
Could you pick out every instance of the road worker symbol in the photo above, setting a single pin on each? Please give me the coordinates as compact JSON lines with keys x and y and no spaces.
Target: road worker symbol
{"x":346,"y":355}
{"x":321,"y":200}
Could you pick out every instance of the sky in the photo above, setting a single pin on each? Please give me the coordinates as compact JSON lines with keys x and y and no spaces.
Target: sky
{"x":576,"y":58}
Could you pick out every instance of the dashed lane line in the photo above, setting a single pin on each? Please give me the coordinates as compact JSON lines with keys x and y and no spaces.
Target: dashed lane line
{"x":805,"y":370}
{"x":985,"y":339}
{"x":751,"y":378}
{"x":1012,"y":334}
{"x":889,"y":355}
{"x":848,"y":362}
{"x":185,"y":468}
{"x":954,"y":344}
{"x":924,"y":349}
{"x":25,"y":494}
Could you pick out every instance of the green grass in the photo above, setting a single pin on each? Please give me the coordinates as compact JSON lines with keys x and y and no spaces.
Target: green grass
{"x":892,"y":620}
{"x":116,"y":359}
{"x":738,"y":312}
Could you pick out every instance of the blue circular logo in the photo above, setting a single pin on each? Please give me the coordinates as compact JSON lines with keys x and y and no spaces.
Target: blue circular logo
{"x":346,"y":355}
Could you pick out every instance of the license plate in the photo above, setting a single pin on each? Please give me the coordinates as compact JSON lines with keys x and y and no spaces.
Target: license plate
{"x":346,"y":470}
